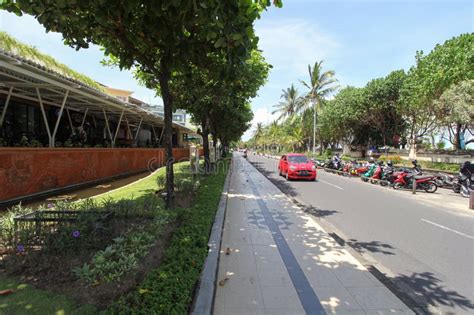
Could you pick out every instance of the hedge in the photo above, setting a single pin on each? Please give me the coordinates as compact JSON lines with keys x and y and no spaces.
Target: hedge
{"x":169,"y":289}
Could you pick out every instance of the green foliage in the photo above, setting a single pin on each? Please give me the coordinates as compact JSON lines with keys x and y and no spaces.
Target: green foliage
{"x":169,"y":289}
{"x":123,"y":255}
{"x":28,"y":300}
{"x":446,"y":65}
{"x":441,"y":145}
{"x":183,"y":182}
{"x":396,"y":159}
{"x":455,"y":111}
{"x":290,"y":105}
{"x":15,"y":47}
{"x":165,"y":41}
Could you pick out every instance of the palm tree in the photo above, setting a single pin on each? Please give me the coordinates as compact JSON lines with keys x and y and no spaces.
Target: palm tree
{"x":273,"y":132}
{"x":320,"y":86}
{"x":257,"y":133}
{"x":290,"y":104}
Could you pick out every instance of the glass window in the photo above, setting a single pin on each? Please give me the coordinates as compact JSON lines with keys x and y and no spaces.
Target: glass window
{"x":298,"y":159}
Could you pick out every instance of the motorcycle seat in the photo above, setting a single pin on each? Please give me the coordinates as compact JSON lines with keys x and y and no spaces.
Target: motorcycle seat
{"x":422,"y":176}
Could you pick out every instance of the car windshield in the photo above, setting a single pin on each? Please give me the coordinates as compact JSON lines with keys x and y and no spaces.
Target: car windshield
{"x":298,"y":159}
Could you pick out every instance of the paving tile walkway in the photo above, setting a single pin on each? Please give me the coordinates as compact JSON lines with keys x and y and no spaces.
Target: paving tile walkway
{"x":276,"y":259}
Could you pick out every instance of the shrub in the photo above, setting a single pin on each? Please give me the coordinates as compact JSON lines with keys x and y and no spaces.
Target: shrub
{"x":327,"y":152}
{"x":123,"y":255}
{"x":441,"y":145}
{"x":169,"y":289}
{"x":396,"y":159}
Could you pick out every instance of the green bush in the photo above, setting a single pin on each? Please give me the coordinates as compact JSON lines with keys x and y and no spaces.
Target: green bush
{"x":123,"y":255}
{"x":169,"y":289}
{"x":328,"y":152}
{"x":183,"y":182}
{"x":396,"y":159}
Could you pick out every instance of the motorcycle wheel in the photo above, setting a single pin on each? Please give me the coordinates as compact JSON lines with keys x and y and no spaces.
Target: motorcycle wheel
{"x":430,"y":187}
{"x":465,"y":191}
{"x":383,"y":183}
{"x":397,"y":186}
{"x":457,"y":188}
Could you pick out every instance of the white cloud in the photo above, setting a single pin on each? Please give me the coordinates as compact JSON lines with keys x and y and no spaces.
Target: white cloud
{"x":260,"y":115}
{"x":290,"y":45}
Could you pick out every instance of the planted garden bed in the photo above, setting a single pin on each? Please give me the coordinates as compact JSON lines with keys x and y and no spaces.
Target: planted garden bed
{"x":112,"y":253}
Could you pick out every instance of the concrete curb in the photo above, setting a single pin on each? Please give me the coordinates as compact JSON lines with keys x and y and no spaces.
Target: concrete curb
{"x":205,"y":293}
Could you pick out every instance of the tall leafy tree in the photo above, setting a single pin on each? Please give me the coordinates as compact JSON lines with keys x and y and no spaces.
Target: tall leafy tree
{"x":158,"y":37}
{"x":455,"y":109}
{"x":320,"y":85}
{"x":382,"y":116}
{"x":343,"y":117}
{"x":446,"y":65}
{"x":259,"y":130}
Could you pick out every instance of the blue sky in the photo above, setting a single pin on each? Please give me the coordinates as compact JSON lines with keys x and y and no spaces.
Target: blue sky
{"x":359,"y":40}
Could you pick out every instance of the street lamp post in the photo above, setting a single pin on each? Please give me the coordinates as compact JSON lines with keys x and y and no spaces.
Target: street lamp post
{"x":314,"y":127}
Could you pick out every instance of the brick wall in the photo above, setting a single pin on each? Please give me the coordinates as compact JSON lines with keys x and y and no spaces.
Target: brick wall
{"x":25,"y":171}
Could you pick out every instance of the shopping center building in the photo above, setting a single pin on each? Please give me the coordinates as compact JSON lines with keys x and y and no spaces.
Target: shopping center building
{"x":59,"y":128}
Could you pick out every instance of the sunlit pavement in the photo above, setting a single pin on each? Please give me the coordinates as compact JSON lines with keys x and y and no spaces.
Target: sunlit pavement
{"x":423,"y":243}
{"x":276,"y":259}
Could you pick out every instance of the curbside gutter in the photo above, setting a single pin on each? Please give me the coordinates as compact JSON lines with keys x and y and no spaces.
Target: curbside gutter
{"x":206,"y":289}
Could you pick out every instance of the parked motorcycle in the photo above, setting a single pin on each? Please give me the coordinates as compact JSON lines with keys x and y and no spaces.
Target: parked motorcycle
{"x":370,"y":171}
{"x":387,"y":176}
{"x":335,"y":163}
{"x":445,"y":180}
{"x":464,"y":182}
{"x":405,"y":180}
{"x":377,"y":173}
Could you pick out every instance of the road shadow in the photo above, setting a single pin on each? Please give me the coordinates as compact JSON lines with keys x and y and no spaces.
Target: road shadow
{"x":372,"y":247}
{"x":320,"y":213}
{"x":421,"y":291}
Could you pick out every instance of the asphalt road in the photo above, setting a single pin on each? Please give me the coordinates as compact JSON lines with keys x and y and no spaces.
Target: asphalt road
{"x":426,"y":249}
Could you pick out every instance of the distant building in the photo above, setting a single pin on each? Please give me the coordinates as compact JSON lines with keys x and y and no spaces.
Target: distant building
{"x":179,"y":116}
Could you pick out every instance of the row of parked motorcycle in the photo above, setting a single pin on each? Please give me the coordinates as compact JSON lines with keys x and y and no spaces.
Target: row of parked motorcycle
{"x":402,"y":177}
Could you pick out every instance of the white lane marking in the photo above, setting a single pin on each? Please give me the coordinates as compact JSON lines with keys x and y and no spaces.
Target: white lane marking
{"x":446,"y":228}
{"x":320,"y":180}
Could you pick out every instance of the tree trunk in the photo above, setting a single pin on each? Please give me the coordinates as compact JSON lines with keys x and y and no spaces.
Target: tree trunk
{"x":216,"y":151}
{"x":168,"y":130}
{"x":412,"y":151}
{"x":205,"y":143}
{"x":457,"y":137}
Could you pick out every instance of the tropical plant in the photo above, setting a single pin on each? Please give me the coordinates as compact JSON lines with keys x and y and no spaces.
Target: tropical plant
{"x":291,"y":103}
{"x":259,"y":130}
{"x":320,"y":85}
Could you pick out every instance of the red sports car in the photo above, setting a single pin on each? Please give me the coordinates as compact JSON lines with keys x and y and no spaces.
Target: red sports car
{"x":295,"y":166}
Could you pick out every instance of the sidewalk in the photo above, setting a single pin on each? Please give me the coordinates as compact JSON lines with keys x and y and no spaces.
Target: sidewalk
{"x":275,"y":259}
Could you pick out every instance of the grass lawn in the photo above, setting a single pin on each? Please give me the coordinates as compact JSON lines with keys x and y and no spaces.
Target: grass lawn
{"x":141,"y":187}
{"x":28,"y":300}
